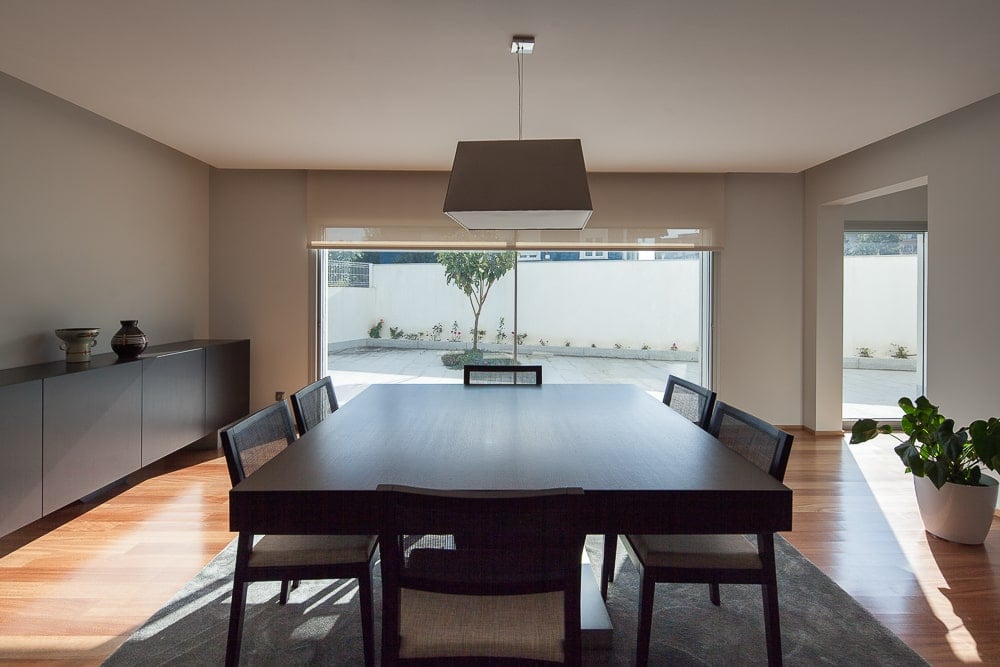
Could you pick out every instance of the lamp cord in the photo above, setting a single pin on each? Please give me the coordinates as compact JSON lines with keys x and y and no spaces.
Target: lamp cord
{"x":520,"y":91}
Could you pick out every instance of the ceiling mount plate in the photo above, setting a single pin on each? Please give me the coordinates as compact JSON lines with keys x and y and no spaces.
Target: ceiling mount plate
{"x":523,"y":44}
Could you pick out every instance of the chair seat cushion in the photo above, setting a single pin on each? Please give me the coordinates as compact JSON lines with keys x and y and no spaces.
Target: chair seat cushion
{"x":283,"y":550}
{"x":516,"y":626}
{"x":696,"y":551}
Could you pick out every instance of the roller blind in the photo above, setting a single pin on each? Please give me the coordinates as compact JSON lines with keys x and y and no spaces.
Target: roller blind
{"x":403,"y":210}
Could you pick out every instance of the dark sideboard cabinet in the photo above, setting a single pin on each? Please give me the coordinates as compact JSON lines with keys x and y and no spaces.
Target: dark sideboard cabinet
{"x":68,"y":430}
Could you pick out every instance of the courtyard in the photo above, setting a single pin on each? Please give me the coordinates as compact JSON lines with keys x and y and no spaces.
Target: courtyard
{"x":866,"y":392}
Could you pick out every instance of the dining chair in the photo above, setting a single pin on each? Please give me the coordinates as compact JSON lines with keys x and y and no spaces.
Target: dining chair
{"x":511,"y":598}
{"x":486,"y":374}
{"x":314,"y":403}
{"x":717,"y":559}
{"x":248,"y":445}
{"x":691,"y":401}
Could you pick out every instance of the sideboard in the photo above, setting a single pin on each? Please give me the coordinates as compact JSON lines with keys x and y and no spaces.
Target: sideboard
{"x":68,"y":430}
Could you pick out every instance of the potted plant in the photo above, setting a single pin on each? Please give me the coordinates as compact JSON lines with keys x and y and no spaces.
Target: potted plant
{"x":955,"y":498}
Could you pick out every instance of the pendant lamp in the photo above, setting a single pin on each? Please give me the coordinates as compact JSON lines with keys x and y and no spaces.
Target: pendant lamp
{"x":522,"y":184}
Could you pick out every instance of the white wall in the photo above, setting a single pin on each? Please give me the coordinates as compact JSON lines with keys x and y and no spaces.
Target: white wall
{"x":759,"y":306}
{"x":260,"y":286}
{"x":958,"y":157}
{"x":350,"y":313}
{"x":758,"y":351}
{"x":881,"y":304}
{"x":600,"y":302}
{"x":99,"y":224}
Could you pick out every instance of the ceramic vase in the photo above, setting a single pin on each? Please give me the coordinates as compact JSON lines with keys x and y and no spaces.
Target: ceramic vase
{"x":956,"y":512}
{"x":129,"y":341}
{"x":77,"y":343}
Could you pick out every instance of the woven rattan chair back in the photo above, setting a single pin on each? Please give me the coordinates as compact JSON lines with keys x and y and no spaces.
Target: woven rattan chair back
{"x":314,"y":403}
{"x":253,"y":441}
{"x":520,"y":375}
{"x":482,"y":544}
{"x":690,"y":400}
{"x":764,"y":445}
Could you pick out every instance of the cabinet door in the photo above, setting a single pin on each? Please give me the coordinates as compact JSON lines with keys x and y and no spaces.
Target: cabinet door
{"x":21,"y":451}
{"x":173,"y":403}
{"x":92,"y":431}
{"x":227,"y":383}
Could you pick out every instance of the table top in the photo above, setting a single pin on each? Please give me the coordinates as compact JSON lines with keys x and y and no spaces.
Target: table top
{"x":642,"y":466}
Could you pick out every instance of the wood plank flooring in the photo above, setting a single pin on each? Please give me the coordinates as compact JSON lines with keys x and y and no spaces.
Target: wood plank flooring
{"x":74,"y":585}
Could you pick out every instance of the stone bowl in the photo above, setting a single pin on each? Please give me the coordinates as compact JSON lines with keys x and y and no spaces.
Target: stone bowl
{"x":77,"y":343}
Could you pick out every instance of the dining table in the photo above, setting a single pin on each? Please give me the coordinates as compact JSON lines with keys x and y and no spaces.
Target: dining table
{"x":643,"y":468}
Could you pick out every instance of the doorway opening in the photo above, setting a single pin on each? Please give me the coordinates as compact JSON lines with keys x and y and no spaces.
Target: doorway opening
{"x":884,"y":318}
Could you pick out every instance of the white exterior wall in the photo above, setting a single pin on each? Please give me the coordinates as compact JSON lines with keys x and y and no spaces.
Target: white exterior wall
{"x":885,"y":289}
{"x":599,"y":302}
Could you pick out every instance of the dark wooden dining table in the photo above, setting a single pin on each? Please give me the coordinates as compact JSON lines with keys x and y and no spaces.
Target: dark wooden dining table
{"x":643,"y":468}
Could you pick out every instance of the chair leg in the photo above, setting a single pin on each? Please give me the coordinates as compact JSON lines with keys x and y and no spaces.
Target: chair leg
{"x":236,"y":611}
{"x":283,"y":596}
{"x":647,"y":586}
{"x":769,"y":593}
{"x":608,"y":563}
{"x":238,"y":606}
{"x":713,"y":594}
{"x":367,"y":617}
{"x":772,"y":627}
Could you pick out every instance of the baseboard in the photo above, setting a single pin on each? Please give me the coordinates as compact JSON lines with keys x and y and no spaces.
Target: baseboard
{"x":821,"y":434}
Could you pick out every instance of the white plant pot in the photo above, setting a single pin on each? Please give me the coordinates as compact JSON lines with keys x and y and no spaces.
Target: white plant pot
{"x":956,"y":512}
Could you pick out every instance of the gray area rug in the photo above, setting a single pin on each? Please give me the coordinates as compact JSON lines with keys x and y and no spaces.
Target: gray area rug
{"x":320,"y":624}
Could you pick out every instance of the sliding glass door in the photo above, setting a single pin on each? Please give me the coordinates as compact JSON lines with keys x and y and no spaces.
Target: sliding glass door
{"x":586,"y":316}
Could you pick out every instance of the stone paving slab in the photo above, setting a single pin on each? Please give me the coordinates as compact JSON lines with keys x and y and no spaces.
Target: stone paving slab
{"x":867,"y":393}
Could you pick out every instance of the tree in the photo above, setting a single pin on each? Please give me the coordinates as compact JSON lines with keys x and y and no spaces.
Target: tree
{"x":474,"y":273}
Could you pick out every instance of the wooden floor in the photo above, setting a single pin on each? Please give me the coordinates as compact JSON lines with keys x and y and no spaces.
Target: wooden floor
{"x":74,"y":585}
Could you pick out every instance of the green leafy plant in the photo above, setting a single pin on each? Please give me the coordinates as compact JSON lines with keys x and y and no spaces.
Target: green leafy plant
{"x":501,"y":334}
{"x":456,"y":333}
{"x":436,"y":331}
{"x":396,"y":333}
{"x":897,"y":351}
{"x":934,"y":449}
{"x":866,"y":352}
{"x":376,"y":330}
{"x":455,"y":360}
{"x":567,"y":344}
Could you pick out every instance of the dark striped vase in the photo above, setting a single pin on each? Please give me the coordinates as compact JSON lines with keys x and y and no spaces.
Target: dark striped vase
{"x":129,"y":341}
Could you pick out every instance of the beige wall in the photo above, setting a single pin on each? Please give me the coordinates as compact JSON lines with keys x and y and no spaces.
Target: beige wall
{"x":260,"y":275}
{"x":758,"y":350}
{"x":261,"y":285}
{"x":957,"y":156}
{"x":99,"y":224}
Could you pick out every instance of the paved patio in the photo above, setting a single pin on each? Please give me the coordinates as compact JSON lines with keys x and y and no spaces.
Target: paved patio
{"x":866,"y":392}
{"x":353,"y":370}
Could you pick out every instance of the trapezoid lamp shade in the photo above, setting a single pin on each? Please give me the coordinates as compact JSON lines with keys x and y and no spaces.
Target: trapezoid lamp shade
{"x":519,"y":184}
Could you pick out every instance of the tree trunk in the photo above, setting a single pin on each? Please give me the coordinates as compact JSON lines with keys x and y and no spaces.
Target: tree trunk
{"x":475,"y":330}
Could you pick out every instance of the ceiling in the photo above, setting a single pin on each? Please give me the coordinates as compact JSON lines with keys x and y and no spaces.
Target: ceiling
{"x":648,"y":85}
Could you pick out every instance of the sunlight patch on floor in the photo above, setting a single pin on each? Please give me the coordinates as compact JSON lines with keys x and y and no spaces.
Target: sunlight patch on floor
{"x":896,"y":498}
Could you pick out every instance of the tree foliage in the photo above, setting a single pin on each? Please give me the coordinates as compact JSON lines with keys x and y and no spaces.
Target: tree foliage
{"x":879,"y":243}
{"x":475,"y":273}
